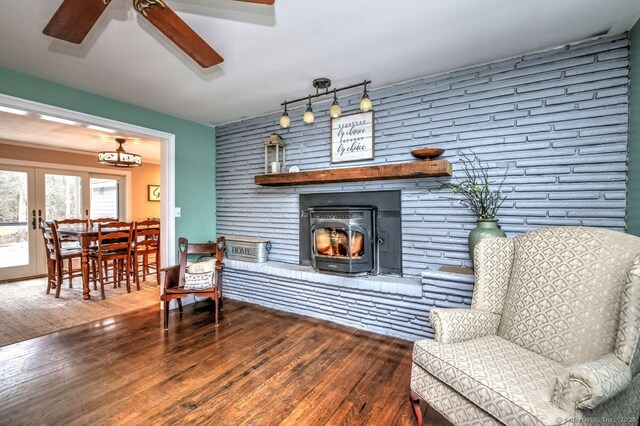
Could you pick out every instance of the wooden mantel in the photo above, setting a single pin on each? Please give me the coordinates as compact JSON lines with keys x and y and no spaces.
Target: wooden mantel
{"x":417,"y":169}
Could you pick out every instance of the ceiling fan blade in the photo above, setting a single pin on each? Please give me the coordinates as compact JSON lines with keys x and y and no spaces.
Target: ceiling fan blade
{"x":182,"y":35}
{"x":259,"y":1}
{"x":74,"y":19}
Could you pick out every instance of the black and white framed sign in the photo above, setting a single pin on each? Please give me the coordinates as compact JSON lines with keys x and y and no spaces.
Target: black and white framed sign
{"x":352,"y":137}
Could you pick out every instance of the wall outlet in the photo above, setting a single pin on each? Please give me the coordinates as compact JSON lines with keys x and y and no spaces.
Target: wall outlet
{"x":177,"y":212}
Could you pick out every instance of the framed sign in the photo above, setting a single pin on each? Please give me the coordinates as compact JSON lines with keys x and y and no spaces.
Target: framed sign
{"x":352,"y":137}
{"x":153,"y":193}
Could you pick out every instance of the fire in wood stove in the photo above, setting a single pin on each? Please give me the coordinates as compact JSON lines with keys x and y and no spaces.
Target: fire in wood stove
{"x":337,"y":243}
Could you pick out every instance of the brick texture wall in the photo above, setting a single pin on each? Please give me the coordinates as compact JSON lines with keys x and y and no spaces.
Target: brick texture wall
{"x":556,"y":119}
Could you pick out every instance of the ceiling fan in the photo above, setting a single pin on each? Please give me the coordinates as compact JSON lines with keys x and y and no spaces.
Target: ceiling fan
{"x":74,"y":19}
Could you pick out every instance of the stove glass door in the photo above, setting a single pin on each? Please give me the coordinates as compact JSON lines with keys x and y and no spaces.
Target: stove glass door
{"x":338,"y":242}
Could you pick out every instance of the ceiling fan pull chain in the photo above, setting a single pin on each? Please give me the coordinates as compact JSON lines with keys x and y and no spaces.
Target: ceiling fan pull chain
{"x":142,"y":5}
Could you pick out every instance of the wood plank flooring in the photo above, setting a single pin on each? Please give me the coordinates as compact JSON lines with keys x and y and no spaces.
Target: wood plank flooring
{"x":261,"y":366}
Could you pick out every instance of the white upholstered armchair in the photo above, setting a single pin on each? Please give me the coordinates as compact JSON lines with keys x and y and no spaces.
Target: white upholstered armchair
{"x":552,"y":336}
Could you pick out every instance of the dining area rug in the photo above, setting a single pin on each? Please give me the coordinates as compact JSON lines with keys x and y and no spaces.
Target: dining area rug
{"x":27,"y":311}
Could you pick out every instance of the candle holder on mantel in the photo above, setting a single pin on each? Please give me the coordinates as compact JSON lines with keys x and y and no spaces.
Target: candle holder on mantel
{"x":274,"y":154}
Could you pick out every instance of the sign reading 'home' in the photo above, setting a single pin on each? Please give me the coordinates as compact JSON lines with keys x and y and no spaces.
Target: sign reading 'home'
{"x":352,"y":137}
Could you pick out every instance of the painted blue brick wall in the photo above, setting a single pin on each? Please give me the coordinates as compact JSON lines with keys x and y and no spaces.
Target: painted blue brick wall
{"x":557,"y":118}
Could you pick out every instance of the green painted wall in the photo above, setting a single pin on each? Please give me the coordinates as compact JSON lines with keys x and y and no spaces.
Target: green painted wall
{"x":195,"y":144}
{"x":633,"y":186}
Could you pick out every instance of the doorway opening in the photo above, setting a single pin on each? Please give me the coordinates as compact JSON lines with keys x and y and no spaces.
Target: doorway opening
{"x":86,"y":121}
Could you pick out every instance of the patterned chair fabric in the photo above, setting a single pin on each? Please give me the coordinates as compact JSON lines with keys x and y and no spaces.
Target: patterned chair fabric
{"x":493,"y":261}
{"x":565,"y":291}
{"x":552,"y":336}
{"x":628,"y":342}
{"x":458,"y":325}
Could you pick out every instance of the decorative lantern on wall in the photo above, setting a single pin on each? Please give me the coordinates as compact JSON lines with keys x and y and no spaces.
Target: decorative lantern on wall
{"x":274,"y":154}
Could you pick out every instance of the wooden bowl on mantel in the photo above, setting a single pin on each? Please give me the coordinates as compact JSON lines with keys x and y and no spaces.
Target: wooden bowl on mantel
{"x":427,"y":154}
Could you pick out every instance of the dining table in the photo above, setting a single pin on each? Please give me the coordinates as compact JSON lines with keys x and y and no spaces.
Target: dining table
{"x":84,"y":235}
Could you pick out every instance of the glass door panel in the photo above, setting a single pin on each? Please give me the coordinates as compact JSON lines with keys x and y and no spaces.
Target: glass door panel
{"x":63,"y":196}
{"x":105,"y":197}
{"x":17,"y":234}
{"x":337,"y":242}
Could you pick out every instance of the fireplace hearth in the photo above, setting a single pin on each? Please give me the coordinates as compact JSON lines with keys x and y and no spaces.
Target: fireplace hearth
{"x":352,"y":233}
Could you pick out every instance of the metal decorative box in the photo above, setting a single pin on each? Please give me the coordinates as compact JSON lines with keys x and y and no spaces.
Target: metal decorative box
{"x":248,"y":249}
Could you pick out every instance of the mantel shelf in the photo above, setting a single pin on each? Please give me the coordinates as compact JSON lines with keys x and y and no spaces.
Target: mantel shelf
{"x":417,"y":169}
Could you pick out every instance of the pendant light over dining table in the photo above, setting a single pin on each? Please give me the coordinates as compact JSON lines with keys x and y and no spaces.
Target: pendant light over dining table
{"x":119,"y":157}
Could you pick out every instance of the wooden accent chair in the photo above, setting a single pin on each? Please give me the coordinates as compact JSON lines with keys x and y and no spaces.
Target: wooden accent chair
{"x":551,"y":338}
{"x":114,"y":245}
{"x":72,"y":248}
{"x":56,"y":256}
{"x":174,"y":280}
{"x":146,"y":244}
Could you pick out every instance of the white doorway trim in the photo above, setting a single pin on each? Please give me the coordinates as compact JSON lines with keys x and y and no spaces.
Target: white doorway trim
{"x":167,"y":159}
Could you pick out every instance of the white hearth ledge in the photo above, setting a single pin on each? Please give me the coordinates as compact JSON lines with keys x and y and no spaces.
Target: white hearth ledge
{"x":380,"y":283}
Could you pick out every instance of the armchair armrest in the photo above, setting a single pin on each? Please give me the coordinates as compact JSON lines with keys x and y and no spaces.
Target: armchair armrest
{"x":459,"y":325}
{"x":587,"y":385}
{"x":171,"y":276}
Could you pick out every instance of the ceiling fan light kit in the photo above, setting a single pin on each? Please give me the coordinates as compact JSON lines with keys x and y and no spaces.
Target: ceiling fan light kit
{"x":335,"y":111}
{"x":74,"y":19}
{"x":119,"y":157}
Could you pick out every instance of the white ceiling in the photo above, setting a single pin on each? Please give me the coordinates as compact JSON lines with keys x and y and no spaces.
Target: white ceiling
{"x":34,"y":131}
{"x":273,"y":53}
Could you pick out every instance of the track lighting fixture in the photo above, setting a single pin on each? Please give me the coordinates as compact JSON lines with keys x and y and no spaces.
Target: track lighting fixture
{"x":322,"y":89}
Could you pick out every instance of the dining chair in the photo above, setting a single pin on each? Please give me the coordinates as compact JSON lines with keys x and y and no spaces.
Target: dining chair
{"x":73,"y":249}
{"x":113,"y":245}
{"x":146,"y":250}
{"x":56,"y":256}
{"x":96,"y":222}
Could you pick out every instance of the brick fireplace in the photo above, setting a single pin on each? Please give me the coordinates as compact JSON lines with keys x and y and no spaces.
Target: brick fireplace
{"x":557,"y":119}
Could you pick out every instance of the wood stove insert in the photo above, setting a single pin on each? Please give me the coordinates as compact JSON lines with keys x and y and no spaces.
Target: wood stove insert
{"x":333,"y":226}
{"x":343,"y":239}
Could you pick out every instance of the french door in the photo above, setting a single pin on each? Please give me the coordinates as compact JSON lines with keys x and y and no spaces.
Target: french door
{"x":28,"y":194}
{"x":18,"y":248}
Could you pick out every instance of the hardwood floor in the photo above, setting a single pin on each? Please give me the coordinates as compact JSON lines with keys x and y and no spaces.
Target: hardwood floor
{"x":260,"y":366}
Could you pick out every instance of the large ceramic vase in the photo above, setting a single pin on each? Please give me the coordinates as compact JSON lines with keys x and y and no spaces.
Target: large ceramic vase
{"x":487,"y":228}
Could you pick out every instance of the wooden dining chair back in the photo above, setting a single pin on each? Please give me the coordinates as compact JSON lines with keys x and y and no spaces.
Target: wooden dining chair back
{"x":70,"y":221}
{"x":69,"y":245}
{"x":113,"y":244}
{"x":174,"y":281}
{"x":50,"y":237}
{"x":102,"y":220}
{"x":56,"y":257}
{"x":146,"y":250}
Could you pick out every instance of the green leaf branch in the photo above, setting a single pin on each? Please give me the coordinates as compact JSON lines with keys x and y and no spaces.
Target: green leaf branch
{"x":479,"y":192}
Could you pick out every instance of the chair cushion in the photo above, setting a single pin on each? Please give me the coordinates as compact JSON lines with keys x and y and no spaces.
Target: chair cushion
{"x":509,"y":382}
{"x":450,"y":403}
